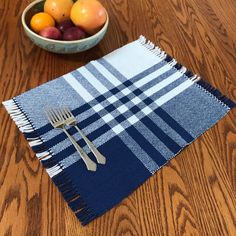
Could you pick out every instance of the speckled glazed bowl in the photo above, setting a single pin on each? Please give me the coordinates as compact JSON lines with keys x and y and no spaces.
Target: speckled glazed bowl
{"x":57,"y":46}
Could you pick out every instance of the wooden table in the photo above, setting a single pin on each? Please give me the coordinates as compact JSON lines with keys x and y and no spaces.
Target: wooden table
{"x":195,"y":194}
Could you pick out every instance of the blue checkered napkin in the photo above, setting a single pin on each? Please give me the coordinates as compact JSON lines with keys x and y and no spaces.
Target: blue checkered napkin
{"x":138,"y":106}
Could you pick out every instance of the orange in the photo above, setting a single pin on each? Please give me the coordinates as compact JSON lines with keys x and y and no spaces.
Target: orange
{"x":40,"y":21}
{"x":58,"y":9}
{"x":90,"y":15}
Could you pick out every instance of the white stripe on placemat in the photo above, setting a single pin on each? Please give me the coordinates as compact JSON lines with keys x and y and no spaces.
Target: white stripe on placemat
{"x":153,"y":75}
{"x":93,"y":80}
{"x":110,"y":77}
{"x":149,"y":92}
{"x":73,"y":82}
{"x":174,"y":92}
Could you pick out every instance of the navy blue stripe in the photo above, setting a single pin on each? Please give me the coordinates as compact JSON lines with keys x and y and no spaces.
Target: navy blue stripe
{"x":63,"y":154}
{"x":90,"y":120}
{"x":31,"y":135}
{"x":59,"y":138}
{"x":44,"y":129}
{"x":174,"y":124}
{"x":170,"y":143}
{"x":146,"y":146}
{"x":97,"y":133}
{"x":59,"y":156}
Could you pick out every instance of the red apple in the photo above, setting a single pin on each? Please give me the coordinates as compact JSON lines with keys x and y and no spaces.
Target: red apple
{"x":51,"y":33}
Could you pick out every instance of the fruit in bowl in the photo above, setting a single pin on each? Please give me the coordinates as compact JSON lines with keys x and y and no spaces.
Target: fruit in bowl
{"x":40,"y":21}
{"x":60,"y":35}
{"x":90,"y":15}
{"x":58,"y":9}
{"x":74,"y":33}
{"x":51,"y":33}
{"x":64,"y":25}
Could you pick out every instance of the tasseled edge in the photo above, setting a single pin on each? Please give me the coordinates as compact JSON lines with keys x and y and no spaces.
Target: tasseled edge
{"x":27,"y":128}
{"x":75,"y":201}
{"x":211,"y":91}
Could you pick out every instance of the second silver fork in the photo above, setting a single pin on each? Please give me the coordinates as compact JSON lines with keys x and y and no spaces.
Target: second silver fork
{"x":71,"y":120}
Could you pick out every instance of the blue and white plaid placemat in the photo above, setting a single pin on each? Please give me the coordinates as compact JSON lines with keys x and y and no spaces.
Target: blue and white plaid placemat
{"x":138,"y":106}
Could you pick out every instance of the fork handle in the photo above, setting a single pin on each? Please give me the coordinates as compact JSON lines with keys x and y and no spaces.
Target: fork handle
{"x":92,"y":166}
{"x":100,"y":158}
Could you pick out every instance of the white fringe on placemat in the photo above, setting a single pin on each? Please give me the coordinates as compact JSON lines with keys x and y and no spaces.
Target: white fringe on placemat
{"x":151,"y":46}
{"x":26,"y":127}
{"x":17,"y":115}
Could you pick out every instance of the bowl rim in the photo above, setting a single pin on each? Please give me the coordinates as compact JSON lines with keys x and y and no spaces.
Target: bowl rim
{"x":54,"y":40}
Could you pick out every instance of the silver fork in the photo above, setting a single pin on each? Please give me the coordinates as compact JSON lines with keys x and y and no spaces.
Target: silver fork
{"x":56,"y":119}
{"x":71,"y":120}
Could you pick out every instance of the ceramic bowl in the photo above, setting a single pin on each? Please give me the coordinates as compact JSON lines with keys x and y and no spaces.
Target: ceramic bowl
{"x":58,"y":46}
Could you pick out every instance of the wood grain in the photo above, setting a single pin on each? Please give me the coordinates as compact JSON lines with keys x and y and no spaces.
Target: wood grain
{"x":195,"y":194}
